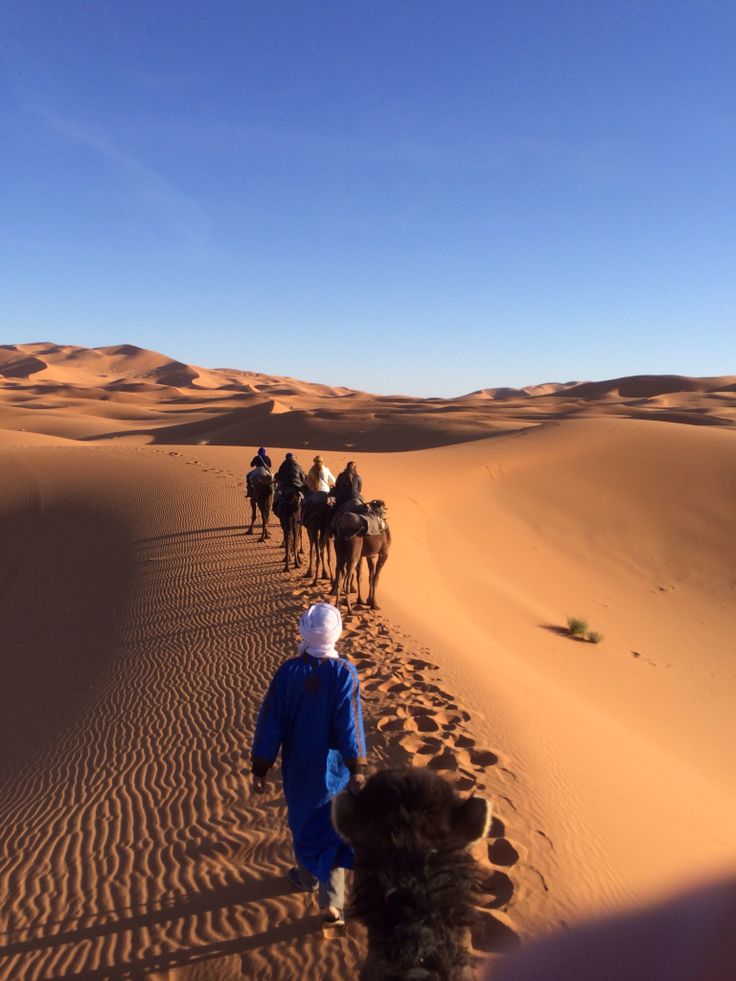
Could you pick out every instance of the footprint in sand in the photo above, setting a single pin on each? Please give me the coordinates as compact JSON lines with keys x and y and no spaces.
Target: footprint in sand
{"x":502,"y":852}
{"x":420,"y":746}
{"x":497,"y":828}
{"x":491,"y":934}
{"x":498,"y":885}
{"x":482,"y":758}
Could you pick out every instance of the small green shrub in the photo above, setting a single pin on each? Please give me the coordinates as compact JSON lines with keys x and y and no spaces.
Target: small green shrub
{"x":593,"y":637}
{"x":577,"y":627}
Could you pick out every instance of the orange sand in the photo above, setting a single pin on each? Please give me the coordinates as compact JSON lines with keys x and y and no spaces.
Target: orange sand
{"x":140,"y":627}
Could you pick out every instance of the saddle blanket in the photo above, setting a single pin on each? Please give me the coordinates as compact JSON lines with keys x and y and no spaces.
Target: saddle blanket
{"x":374,"y":523}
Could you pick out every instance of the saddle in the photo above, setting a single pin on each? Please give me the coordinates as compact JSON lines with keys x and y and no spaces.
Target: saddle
{"x":375,"y":524}
{"x":372,"y":515}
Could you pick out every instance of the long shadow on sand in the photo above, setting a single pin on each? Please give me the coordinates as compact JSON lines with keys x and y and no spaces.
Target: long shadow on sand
{"x":286,"y":933}
{"x":146,"y":917}
{"x":64,"y":573}
{"x":192,"y":534}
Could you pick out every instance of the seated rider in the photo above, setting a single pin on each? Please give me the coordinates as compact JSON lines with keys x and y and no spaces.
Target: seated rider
{"x":320,"y":480}
{"x":260,"y":461}
{"x":347,"y":486}
{"x":289,"y":474}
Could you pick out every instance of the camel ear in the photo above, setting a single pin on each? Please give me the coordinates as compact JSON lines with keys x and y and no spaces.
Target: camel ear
{"x":346,"y":816}
{"x":472,"y":819}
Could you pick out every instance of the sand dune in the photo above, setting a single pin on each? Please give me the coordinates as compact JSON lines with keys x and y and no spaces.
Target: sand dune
{"x":129,"y":840}
{"x":141,"y":625}
{"x":177,"y":398}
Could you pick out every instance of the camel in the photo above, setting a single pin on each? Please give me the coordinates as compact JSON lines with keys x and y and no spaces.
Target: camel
{"x":351,"y":547}
{"x":289,"y":507}
{"x":261,"y":498}
{"x":416,"y":884}
{"x":317,"y":522}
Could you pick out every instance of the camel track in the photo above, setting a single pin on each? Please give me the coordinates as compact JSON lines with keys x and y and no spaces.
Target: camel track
{"x":132,"y":848}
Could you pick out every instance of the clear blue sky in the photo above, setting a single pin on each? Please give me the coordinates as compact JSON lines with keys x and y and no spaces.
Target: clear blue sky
{"x":409,"y":195}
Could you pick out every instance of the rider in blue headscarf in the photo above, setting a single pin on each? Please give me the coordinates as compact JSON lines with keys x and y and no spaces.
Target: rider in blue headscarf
{"x":312,"y":713}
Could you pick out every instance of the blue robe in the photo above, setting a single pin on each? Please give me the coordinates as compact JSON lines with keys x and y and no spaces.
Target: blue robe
{"x":312,"y":712}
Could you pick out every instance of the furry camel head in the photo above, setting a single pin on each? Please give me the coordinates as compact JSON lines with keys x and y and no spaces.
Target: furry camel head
{"x":410,"y":809}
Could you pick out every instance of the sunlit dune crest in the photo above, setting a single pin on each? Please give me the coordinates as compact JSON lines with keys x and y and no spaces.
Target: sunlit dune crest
{"x":128,"y":392}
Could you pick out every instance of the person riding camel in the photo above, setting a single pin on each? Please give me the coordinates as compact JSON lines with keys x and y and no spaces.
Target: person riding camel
{"x":320,"y":477}
{"x":289,"y":474}
{"x":261,"y":462}
{"x":320,"y":481}
{"x":347,"y":486}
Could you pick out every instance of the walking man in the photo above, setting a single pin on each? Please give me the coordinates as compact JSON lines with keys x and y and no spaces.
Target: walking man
{"x":312,"y":713}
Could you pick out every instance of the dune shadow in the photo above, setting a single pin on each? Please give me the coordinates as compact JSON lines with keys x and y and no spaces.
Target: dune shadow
{"x":65,"y":575}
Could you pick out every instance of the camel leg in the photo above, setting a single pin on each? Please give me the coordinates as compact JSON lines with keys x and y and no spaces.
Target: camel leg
{"x":342,"y":573}
{"x":296,"y":532}
{"x":338,"y":571}
{"x":319,"y":561}
{"x":349,"y":567}
{"x":285,"y":530}
{"x":326,"y":560}
{"x":312,"y":549}
{"x":252,"y":515}
{"x":359,"y":576}
{"x":376,"y":572}
{"x":265,"y":515}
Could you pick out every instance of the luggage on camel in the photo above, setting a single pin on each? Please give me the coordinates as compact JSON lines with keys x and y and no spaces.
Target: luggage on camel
{"x":372,"y":515}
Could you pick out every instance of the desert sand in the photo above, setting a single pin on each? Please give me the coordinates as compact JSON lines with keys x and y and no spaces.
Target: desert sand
{"x":141,"y":626}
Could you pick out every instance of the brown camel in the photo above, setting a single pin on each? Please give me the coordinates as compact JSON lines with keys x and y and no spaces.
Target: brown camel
{"x":261,"y":497}
{"x":317,"y":518}
{"x":289,"y":507}
{"x":352,"y":545}
{"x":416,"y":884}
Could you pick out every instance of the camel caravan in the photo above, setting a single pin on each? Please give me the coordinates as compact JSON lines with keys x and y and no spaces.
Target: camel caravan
{"x":336,"y":518}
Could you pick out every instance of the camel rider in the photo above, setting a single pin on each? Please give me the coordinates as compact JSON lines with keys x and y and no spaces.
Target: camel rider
{"x":320,"y":482}
{"x":289,"y":474}
{"x":261,"y":461}
{"x":347,"y":486}
{"x":320,"y":478}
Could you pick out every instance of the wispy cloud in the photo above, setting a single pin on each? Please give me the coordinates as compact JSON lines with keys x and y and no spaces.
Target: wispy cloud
{"x":183,"y":215}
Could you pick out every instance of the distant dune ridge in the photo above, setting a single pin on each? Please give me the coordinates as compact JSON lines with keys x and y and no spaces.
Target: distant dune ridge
{"x":127,"y":392}
{"x":140,"y":627}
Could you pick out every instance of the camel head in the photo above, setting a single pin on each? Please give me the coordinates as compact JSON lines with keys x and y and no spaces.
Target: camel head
{"x":412,"y":810}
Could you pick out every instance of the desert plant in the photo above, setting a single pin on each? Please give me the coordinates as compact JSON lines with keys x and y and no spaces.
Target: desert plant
{"x":593,"y":637}
{"x":577,"y":627}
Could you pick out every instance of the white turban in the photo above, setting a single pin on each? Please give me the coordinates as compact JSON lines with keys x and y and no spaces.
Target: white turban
{"x":320,"y":627}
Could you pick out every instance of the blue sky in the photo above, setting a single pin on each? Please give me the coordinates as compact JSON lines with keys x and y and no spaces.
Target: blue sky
{"x":422,"y":197}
